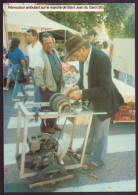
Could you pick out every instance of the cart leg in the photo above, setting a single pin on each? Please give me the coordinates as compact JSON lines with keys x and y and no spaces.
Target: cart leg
{"x":72,"y":134}
{"x":18,"y":132}
{"x":85,"y":139}
{"x":24,"y":146}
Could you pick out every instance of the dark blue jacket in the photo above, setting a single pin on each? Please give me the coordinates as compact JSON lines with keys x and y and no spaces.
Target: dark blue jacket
{"x":101,"y":91}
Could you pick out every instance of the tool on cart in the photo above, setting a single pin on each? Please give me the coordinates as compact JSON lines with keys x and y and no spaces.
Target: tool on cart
{"x":42,"y":151}
{"x":61,"y":103}
{"x":48,"y":159}
{"x":88,"y":174}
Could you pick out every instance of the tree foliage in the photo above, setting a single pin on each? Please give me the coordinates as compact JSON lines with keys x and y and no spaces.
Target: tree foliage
{"x":118,"y":18}
{"x":129,"y":24}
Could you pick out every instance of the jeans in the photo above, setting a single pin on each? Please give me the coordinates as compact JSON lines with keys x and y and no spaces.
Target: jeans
{"x":37,"y":95}
{"x":32,"y":75}
{"x":17,"y":86}
{"x":98,"y":139}
{"x":45,"y":96}
{"x":25,"y":70}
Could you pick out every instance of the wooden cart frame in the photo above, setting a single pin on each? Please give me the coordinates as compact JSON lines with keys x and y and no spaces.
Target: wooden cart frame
{"x":23,"y":111}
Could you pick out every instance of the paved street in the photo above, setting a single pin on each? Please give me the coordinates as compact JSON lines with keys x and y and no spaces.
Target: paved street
{"x":118,"y":174}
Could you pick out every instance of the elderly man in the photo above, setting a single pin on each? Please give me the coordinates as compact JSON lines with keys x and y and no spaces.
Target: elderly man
{"x":48,"y":76}
{"x":96,"y":85}
{"x":33,"y":49}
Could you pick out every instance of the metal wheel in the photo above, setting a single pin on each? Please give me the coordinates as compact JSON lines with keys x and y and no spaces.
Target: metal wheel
{"x":53,"y":97}
{"x":57,"y":100}
{"x":64,"y":105}
{"x":50,"y":173}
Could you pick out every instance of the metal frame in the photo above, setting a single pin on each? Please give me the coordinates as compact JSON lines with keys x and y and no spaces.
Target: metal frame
{"x":22,"y":111}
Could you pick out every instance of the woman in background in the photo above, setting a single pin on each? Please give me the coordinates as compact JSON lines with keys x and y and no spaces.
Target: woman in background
{"x":9,"y":75}
{"x":17,"y":60}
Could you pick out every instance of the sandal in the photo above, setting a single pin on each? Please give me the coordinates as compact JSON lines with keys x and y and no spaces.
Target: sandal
{"x":15,"y":100}
{"x":90,"y":166}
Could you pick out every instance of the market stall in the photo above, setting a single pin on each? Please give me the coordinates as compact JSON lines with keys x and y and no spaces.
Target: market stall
{"x":126,"y":112}
{"x":17,"y":23}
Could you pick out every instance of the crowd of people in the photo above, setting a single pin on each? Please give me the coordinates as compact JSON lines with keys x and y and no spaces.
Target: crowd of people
{"x":93,"y":82}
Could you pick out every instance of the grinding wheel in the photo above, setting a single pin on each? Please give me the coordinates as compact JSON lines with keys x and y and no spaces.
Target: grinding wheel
{"x":57,"y":100}
{"x":60,"y":102}
{"x":64,"y":106}
{"x":53,"y":97}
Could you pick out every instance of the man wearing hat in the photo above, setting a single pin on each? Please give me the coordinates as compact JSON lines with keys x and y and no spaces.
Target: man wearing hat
{"x":95,"y":85}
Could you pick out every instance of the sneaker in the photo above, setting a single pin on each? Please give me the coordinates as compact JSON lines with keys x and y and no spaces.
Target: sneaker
{"x":4,"y":88}
{"x":15,"y":100}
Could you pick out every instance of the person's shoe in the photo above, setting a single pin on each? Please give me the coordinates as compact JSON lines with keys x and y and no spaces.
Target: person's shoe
{"x":26,"y":94}
{"x":5,"y":88}
{"x":57,"y":128}
{"x":15,"y":100}
{"x":91,"y":166}
{"x":48,"y":130}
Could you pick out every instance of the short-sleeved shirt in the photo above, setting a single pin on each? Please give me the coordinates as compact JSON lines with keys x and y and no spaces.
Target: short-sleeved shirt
{"x":16,"y":56}
{"x":56,"y":66}
{"x":32,"y":53}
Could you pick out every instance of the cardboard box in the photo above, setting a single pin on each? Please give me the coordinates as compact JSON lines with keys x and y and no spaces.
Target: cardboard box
{"x":126,"y":113}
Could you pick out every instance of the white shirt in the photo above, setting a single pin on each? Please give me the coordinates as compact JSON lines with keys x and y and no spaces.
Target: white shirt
{"x":32,"y":53}
{"x":85,"y":70}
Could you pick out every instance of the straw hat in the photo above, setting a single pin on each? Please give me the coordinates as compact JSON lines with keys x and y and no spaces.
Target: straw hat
{"x":73,"y":44}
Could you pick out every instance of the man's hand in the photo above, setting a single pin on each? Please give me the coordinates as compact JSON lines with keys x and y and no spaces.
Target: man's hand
{"x":23,"y":63}
{"x":43,"y":88}
{"x":75,"y":95}
{"x":69,"y":90}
